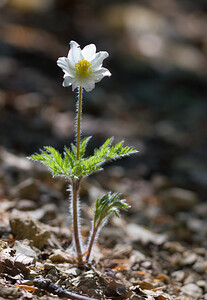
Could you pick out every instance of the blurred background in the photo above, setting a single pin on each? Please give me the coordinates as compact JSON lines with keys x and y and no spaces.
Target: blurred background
{"x":155,"y":99}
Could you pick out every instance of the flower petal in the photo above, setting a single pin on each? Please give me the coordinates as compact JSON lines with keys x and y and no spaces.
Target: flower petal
{"x":99,"y":74}
{"x":74,"y":55}
{"x":89,"y":86}
{"x":68,"y":80}
{"x":101,"y":71}
{"x":96,"y":63}
{"x":89,"y":52}
{"x":64,"y":64}
{"x":75,"y":85}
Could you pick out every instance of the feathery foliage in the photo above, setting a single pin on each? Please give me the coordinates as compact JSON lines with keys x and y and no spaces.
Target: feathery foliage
{"x":68,"y":165}
{"x":109,"y":203}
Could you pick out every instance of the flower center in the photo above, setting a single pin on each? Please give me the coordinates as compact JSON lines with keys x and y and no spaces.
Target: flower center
{"x":83,"y":68}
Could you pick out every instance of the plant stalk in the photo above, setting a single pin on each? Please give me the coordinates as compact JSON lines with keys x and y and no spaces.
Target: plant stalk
{"x":80,"y":96}
{"x":76,"y":229}
{"x":92,"y":240}
{"x":76,"y":185}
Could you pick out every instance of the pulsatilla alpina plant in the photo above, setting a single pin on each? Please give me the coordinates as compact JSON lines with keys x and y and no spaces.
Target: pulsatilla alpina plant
{"x":82,"y":69}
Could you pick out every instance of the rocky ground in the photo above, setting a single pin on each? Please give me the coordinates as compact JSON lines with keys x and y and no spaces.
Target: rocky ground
{"x":158,"y":249}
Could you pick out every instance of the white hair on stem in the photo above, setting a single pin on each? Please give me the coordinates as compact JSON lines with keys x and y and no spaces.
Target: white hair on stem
{"x":78,"y":219}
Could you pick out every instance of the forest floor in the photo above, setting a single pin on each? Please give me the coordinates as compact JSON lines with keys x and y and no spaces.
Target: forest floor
{"x":158,"y":248}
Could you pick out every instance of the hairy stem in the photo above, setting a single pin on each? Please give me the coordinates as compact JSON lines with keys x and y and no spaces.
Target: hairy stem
{"x":92,"y":240}
{"x":76,"y":185}
{"x":75,"y":214}
{"x":79,"y":112}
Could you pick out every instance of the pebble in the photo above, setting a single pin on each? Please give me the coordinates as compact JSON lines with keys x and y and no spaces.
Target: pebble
{"x":60,"y":257}
{"x":163,"y":277}
{"x":29,"y":229}
{"x":192,"y":290}
{"x":190,"y":279}
{"x":202,"y":284}
{"x":200,"y":251}
{"x":145,"y":285}
{"x":48,"y":266}
{"x":199,"y":267}
{"x":190,"y":259}
{"x":146,"y":264}
{"x":178,"y":275}
{"x":145,"y":236}
{"x":173,"y":247}
{"x":136,"y":256}
{"x":73,"y":271}
{"x":25,"y":205}
{"x":177,"y":199}
{"x":122,"y":250}
{"x":27,"y":189}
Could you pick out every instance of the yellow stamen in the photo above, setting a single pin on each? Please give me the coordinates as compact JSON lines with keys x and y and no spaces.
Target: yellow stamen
{"x":83,"y":68}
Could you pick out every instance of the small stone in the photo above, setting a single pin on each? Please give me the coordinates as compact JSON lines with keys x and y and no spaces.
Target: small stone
{"x":73,"y":272}
{"x":190,"y":279}
{"x":60,"y":257}
{"x":136,"y":256}
{"x":200,"y":251}
{"x":178,"y":275}
{"x":27,"y":189}
{"x":192,"y":290}
{"x":26,"y":205}
{"x":139,"y":233}
{"x":199,"y":267}
{"x":163,"y":277}
{"x":202,"y":284}
{"x":177,"y":199}
{"x":145,"y":285}
{"x":48,"y":266}
{"x":173,"y":247}
{"x":146,"y":264}
{"x":189,"y":259}
{"x":122,"y":250}
{"x":28,"y":229}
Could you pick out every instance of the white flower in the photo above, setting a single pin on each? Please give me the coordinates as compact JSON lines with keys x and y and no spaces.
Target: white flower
{"x":83,"y":68}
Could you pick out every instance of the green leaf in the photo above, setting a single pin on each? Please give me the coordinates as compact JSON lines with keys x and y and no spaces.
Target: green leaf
{"x":69,"y":158}
{"x":83,"y":146}
{"x":68,"y":164}
{"x":51,"y":158}
{"x":109,"y":203}
{"x":102,"y":151}
{"x":118,"y":151}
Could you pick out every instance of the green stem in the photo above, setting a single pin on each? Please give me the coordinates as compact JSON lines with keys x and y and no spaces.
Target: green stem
{"x":79,"y":121}
{"x":76,"y":230}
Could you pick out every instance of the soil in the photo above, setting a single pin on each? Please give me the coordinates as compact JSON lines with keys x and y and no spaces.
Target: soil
{"x":155,"y":101}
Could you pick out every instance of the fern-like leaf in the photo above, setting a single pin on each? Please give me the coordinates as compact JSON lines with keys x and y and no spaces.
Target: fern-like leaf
{"x":109,"y":203}
{"x":51,"y":158}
